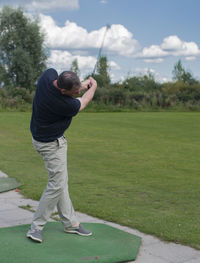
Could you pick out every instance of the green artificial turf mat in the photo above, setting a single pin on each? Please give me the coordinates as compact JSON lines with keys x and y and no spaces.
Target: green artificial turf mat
{"x":7,"y":183}
{"x":107,"y":244}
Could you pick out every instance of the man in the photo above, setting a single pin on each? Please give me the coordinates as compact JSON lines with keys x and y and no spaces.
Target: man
{"x":54,"y":106}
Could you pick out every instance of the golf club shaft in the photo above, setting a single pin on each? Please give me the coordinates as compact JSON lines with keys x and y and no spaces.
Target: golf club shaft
{"x":99,"y":53}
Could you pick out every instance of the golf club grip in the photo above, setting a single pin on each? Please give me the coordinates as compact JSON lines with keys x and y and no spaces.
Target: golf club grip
{"x":92,"y":77}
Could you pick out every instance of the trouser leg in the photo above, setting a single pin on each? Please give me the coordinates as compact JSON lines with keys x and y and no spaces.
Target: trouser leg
{"x":56,"y":192}
{"x":66,"y":210}
{"x":64,"y":205}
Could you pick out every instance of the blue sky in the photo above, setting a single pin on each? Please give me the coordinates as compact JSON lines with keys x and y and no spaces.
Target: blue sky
{"x":145,"y":35}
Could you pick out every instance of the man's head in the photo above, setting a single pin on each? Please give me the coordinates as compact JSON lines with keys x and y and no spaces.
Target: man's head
{"x":68,"y":83}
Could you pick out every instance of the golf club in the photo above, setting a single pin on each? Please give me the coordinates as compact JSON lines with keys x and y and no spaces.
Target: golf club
{"x":100,"y":50}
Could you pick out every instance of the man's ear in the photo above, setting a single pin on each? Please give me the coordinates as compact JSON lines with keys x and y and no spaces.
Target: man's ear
{"x":63,"y":91}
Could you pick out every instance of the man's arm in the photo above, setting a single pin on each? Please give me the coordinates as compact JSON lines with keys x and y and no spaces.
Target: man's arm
{"x":89,"y":94}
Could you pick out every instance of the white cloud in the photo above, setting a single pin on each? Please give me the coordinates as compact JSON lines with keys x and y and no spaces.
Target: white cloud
{"x":145,"y":71}
{"x":190,"y":58}
{"x":62,"y":60}
{"x":163,"y":79}
{"x":113,"y":65}
{"x":43,"y":5}
{"x":171,"y":46}
{"x":156,"y":60}
{"x":153,"y":51}
{"x":118,"y":39}
{"x":53,"y":4}
{"x":117,"y":78}
{"x":178,"y":47}
{"x":171,"y":43}
{"x":121,"y":41}
{"x":103,"y":1}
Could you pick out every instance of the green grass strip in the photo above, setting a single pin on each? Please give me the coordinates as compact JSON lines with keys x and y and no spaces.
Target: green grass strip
{"x":137,"y":169}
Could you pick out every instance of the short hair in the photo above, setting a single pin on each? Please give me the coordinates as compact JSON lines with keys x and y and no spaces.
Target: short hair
{"x":68,"y":79}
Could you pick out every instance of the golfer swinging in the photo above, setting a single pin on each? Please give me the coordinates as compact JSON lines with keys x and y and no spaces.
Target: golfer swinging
{"x":54,"y":106}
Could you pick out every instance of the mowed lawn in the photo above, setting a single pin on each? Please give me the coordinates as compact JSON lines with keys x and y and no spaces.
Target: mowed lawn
{"x":137,"y":169}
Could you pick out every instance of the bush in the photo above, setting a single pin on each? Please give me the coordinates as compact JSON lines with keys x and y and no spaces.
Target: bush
{"x":16,"y":98}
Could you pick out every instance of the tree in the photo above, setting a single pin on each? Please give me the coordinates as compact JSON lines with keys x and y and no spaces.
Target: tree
{"x":75,"y":67}
{"x":22,"y":55}
{"x":180,"y":74}
{"x":139,"y":83}
{"x":102,"y":77}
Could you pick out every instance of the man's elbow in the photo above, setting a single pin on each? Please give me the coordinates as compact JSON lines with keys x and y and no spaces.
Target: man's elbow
{"x":83,"y":102}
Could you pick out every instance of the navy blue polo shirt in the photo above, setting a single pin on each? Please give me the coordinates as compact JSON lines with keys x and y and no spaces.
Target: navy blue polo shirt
{"x":52,"y":111}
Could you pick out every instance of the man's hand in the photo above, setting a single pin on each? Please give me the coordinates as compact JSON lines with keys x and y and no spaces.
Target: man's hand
{"x":84,"y":84}
{"x":88,"y":82}
{"x":92,"y":83}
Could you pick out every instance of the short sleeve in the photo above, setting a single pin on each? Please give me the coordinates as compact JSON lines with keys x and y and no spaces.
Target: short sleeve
{"x":76,"y":104}
{"x":47,"y":77}
{"x":68,"y":106}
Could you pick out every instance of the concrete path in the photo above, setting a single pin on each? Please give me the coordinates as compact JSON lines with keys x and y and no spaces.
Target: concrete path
{"x":152,"y":250}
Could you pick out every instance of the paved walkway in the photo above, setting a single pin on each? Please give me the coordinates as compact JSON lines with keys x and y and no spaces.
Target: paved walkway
{"x":152,"y":250}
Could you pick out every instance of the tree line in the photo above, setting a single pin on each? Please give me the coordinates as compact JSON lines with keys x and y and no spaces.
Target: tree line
{"x":144,"y":92}
{"x":23,"y":58}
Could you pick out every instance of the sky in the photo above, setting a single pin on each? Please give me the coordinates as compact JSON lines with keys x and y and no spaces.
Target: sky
{"x":144,"y":35}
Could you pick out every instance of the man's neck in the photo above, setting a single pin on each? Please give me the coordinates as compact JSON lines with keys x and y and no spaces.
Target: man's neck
{"x":55,"y":83}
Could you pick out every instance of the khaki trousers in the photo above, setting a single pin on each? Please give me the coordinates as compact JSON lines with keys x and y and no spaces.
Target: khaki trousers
{"x":56,"y":193}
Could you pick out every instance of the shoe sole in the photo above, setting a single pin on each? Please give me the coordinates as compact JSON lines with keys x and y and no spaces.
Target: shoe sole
{"x":34,"y":238}
{"x":78,"y":233}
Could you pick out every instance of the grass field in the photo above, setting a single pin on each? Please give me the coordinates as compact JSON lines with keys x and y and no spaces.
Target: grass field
{"x":138,"y":169}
